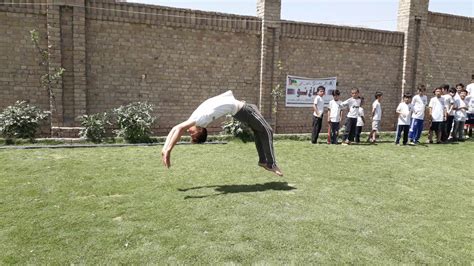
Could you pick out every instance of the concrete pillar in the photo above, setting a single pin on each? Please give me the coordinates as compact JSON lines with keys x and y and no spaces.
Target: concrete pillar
{"x":412,"y":20}
{"x":270,"y":13}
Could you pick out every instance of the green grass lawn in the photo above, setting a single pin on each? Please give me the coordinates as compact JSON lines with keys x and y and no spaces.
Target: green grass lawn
{"x":336,"y":204}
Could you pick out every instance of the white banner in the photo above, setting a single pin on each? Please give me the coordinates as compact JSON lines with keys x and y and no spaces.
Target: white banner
{"x":300,"y":92}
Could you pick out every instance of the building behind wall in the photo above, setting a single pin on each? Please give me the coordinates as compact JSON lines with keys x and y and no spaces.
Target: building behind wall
{"x":116,"y":53}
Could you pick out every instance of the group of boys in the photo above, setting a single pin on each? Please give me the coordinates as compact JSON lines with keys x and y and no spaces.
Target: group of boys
{"x":451,"y":111}
{"x":354,"y":119}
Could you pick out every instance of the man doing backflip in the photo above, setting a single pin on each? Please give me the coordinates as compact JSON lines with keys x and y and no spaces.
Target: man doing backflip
{"x":216,"y":107}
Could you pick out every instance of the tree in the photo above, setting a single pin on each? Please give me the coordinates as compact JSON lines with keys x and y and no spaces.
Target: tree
{"x":49,"y":81}
{"x":277,"y":93}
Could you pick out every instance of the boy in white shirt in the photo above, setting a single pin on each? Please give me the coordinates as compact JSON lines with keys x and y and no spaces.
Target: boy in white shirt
{"x":460,"y":116}
{"x":353,"y":105}
{"x":219,"y":106}
{"x":318,"y":113}
{"x":376,"y":116}
{"x":470,"y":115}
{"x":449,"y":99}
{"x":334,"y":116}
{"x":437,"y":108}
{"x":470,"y":88}
{"x":404,"y":119}
{"x":360,"y":121}
{"x":418,"y":103}
{"x":459,"y":88}
{"x":443,"y":125}
{"x":470,"y":112}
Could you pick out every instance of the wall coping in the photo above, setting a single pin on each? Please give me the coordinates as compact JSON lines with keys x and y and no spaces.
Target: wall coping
{"x":18,"y":6}
{"x":170,"y":16}
{"x":306,"y":30}
{"x":450,"y":21}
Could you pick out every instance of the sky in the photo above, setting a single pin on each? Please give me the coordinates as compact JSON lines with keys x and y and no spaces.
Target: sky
{"x":376,"y":14}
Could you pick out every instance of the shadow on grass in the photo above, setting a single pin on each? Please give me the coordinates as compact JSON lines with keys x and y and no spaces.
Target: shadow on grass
{"x":228,"y":189}
{"x":365,"y":143}
{"x":426,"y":145}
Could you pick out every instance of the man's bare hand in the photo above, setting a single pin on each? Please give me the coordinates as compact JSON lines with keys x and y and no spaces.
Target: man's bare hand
{"x":166,"y":158}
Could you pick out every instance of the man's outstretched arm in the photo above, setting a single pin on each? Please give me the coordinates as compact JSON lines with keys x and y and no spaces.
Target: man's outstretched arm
{"x":173,"y":137}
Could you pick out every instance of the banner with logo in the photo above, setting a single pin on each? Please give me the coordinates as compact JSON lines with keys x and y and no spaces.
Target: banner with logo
{"x":300,"y":91}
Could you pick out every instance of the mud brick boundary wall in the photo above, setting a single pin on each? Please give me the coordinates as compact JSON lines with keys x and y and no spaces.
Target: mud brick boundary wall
{"x":115,"y":53}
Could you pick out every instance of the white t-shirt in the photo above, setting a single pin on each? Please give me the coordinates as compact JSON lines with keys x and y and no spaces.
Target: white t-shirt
{"x":470,"y":89}
{"x":419,"y":104}
{"x":360,"y":122}
{"x":460,"y":114}
{"x":335,"y":111}
{"x":378,"y":110}
{"x":470,"y":104}
{"x":214,"y":108}
{"x":456,"y":96}
{"x":404,"y":110}
{"x":449,"y":101}
{"x":319,"y":102}
{"x":437,"y":106}
{"x":353,"y":105}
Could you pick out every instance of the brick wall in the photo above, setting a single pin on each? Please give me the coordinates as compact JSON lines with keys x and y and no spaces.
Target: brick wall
{"x":367,"y":59}
{"x":450,"y":47}
{"x":173,"y":64}
{"x":117,"y":53}
{"x":20,"y":71}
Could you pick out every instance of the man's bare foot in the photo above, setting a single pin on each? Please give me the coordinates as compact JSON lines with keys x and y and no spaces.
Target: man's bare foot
{"x":274,"y":169}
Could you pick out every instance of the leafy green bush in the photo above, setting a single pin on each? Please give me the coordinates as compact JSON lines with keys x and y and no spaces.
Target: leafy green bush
{"x":237,"y":129}
{"x":94,"y":127}
{"x":21,"y":120}
{"x":134,"y":122}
